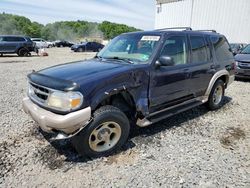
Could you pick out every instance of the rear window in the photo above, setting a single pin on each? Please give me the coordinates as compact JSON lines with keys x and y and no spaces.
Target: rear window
{"x":199,"y":49}
{"x":222,"y":48}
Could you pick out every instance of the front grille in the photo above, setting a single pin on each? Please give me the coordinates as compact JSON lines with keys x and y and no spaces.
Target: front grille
{"x":38,"y":93}
{"x":244,"y":65}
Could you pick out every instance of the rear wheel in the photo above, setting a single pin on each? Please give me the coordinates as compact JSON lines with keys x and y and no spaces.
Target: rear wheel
{"x":1,"y":54}
{"x":108,"y":131}
{"x":23,"y":52}
{"x":217,"y":95}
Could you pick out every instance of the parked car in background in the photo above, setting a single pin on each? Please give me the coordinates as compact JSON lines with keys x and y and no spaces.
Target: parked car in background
{"x":21,"y":45}
{"x":243,"y":63}
{"x":63,"y":43}
{"x":140,"y":78}
{"x":41,"y":43}
{"x":87,"y":46}
{"x":237,"y":47}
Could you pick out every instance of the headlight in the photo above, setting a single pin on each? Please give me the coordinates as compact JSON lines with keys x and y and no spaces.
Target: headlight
{"x":65,"y":101}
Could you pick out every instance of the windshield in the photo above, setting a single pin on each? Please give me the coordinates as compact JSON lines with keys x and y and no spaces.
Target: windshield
{"x":138,"y":48}
{"x":246,"y":50}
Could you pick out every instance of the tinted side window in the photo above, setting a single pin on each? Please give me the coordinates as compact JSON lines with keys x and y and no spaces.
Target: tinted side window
{"x":14,"y":39}
{"x":176,"y":48}
{"x":20,"y":39}
{"x":222,"y":48}
{"x":199,"y":49}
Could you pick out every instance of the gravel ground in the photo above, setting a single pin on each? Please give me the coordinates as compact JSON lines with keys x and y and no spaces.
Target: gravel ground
{"x":197,"y":148}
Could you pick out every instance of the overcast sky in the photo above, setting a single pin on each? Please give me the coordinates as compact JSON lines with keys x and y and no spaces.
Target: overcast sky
{"x":137,"y":13}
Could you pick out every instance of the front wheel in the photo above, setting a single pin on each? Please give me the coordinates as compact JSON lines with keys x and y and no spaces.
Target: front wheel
{"x":108,"y":131}
{"x":80,"y":50}
{"x":216,"y":96}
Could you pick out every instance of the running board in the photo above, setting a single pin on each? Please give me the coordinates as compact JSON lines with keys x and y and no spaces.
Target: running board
{"x":168,"y":112}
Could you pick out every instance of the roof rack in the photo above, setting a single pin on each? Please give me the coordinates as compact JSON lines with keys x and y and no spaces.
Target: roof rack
{"x":207,"y":31}
{"x":173,"y":28}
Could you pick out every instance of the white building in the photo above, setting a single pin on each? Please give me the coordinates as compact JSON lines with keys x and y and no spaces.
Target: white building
{"x":228,"y":17}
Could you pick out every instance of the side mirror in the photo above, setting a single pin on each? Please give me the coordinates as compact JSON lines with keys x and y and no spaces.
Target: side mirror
{"x":165,"y":61}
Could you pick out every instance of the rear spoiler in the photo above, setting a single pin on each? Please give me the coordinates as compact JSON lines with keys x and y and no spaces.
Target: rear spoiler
{"x":52,"y":83}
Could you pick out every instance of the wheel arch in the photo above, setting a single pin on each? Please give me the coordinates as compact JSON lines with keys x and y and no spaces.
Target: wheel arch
{"x":222,"y":75}
{"x":121,"y":99}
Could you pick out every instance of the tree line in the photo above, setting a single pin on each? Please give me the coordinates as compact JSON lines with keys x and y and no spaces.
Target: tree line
{"x":64,"y":30}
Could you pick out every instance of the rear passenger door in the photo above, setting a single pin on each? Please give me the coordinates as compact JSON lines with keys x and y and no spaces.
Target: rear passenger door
{"x":2,"y":45}
{"x":202,"y":67}
{"x":11,"y":44}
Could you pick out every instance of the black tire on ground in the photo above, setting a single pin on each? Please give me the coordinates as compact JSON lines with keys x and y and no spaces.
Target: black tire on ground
{"x":61,"y":46}
{"x":50,"y":46}
{"x":80,"y":50}
{"x":23,"y":52}
{"x":214,"y":102}
{"x":1,"y":54}
{"x":107,"y":132}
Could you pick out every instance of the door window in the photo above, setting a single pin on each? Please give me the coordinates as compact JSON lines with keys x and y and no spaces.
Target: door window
{"x":176,"y":48}
{"x":199,"y":49}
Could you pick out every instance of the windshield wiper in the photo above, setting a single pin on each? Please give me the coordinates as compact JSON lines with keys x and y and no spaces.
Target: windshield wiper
{"x":127,"y":60}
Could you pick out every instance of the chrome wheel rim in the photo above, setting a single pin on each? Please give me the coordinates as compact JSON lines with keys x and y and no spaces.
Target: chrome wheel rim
{"x":217,"y":96}
{"x":105,"y":136}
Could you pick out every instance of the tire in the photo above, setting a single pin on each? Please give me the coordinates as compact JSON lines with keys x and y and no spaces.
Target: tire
{"x":61,"y":46}
{"x":108,"y":131}
{"x":22,"y":52}
{"x":50,"y":46}
{"x":216,"y":96}
{"x":80,"y":50}
{"x":1,"y":54}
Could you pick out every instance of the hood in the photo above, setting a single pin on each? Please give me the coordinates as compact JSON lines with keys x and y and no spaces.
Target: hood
{"x":243,"y":57}
{"x":86,"y":71}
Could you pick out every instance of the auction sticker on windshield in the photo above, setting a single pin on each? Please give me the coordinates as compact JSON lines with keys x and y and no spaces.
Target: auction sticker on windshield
{"x":150,"y":38}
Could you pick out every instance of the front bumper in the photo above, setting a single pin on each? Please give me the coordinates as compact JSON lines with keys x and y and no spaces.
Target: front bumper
{"x":50,"y":122}
{"x":242,"y":73}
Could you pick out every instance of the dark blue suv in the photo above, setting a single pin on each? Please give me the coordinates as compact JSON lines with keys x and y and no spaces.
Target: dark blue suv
{"x":138,"y":79}
{"x":20,"y":45}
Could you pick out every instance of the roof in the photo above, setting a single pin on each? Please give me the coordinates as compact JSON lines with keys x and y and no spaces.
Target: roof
{"x":173,"y":30}
{"x":166,"y":1}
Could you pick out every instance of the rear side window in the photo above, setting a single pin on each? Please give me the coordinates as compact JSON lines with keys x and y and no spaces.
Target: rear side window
{"x":221,"y":48}
{"x":199,"y":49}
{"x":14,"y":39}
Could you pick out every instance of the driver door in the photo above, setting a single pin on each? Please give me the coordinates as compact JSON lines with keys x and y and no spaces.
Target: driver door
{"x":168,"y":84}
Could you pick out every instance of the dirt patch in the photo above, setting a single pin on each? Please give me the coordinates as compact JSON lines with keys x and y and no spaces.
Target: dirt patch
{"x":50,"y":157}
{"x":7,"y":158}
{"x":231,"y":136}
{"x":125,"y":158}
